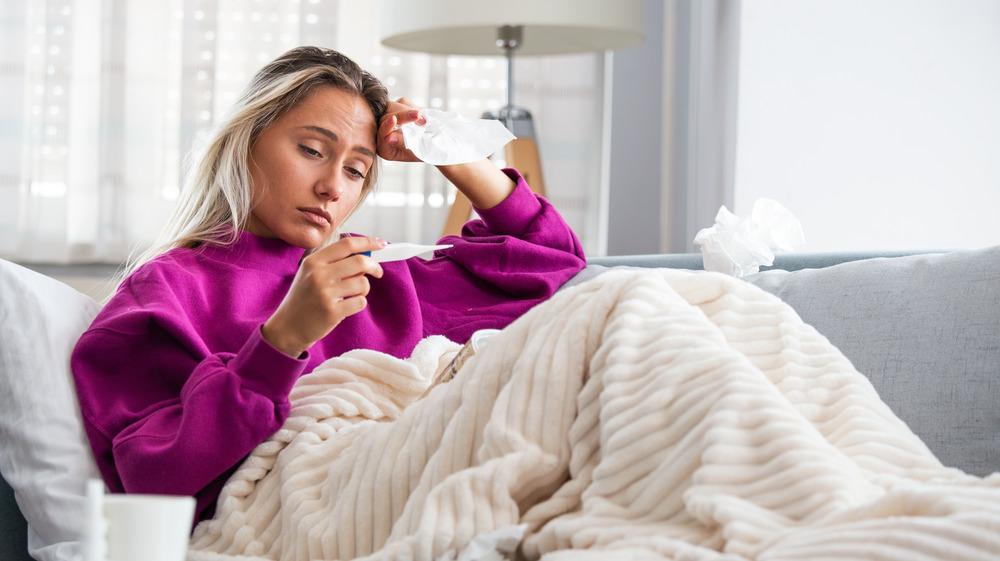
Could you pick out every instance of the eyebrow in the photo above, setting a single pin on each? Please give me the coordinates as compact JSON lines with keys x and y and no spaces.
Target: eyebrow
{"x":333,"y":136}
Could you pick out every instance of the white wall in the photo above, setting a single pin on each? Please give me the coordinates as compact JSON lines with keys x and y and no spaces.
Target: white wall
{"x":876,"y":122}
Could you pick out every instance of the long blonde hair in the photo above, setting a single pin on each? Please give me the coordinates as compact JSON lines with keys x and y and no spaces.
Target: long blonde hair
{"x":215,"y":201}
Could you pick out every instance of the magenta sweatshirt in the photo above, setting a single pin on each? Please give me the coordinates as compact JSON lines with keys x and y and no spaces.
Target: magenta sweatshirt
{"x":177,"y":386}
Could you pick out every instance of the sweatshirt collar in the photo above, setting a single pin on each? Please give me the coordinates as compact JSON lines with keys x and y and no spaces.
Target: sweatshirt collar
{"x":254,"y":252}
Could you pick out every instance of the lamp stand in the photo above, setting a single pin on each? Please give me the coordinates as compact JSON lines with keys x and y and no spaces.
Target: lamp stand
{"x":520,"y":153}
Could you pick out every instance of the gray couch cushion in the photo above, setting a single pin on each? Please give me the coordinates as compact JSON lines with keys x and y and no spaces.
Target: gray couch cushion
{"x":926,"y":331}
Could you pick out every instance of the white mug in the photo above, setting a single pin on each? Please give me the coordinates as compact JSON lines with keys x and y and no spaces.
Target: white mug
{"x":136,"y":527}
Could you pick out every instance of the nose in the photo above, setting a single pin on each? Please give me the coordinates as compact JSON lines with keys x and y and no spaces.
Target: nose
{"x":330,"y":185}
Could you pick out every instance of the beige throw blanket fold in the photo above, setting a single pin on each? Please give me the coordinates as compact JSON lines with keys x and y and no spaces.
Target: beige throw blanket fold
{"x":645,"y":414}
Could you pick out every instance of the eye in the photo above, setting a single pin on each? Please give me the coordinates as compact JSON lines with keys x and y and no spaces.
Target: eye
{"x":355,"y":173}
{"x":309,"y":151}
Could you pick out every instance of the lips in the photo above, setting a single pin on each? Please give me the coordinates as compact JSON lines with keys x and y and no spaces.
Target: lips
{"x":317,"y":216}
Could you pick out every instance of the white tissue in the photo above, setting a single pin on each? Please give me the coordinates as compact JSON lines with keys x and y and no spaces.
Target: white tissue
{"x":449,"y":138}
{"x":740,"y":246}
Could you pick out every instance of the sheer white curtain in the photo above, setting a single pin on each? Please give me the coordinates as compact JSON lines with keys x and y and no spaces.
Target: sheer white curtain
{"x":100,"y":101}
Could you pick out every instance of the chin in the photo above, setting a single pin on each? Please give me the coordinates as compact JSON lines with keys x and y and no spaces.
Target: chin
{"x":307,"y":243}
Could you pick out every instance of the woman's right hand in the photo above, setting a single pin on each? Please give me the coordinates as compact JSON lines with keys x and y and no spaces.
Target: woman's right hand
{"x":330,"y":285}
{"x":390,"y":137}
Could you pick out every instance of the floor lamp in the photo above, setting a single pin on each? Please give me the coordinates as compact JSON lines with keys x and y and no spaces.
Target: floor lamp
{"x":527,"y":27}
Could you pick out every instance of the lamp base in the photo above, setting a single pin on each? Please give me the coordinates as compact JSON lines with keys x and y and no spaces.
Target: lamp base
{"x":521,"y":154}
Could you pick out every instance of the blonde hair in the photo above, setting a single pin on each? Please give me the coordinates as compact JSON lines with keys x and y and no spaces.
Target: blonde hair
{"x":216,"y":201}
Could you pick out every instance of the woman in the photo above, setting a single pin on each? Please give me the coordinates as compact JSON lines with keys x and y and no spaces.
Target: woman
{"x":189,"y":365}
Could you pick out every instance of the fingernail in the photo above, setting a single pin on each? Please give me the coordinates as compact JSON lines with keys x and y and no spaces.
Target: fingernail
{"x":381,"y":242}
{"x":414,"y":114}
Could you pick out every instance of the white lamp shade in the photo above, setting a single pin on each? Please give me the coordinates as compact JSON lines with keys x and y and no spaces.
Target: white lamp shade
{"x":550,"y":27}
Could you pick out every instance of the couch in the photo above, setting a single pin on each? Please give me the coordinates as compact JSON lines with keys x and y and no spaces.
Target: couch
{"x":924,"y":327}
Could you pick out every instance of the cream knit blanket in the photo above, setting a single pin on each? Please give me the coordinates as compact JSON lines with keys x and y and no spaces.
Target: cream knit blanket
{"x":653,"y":414}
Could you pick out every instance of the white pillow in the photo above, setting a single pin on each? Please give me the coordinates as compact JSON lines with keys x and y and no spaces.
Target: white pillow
{"x":44,"y":455}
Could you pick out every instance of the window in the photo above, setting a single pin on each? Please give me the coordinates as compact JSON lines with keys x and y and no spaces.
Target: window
{"x":101,"y":102}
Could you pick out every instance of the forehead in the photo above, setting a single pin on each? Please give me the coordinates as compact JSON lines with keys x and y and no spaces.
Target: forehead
{"x":347,"y":114}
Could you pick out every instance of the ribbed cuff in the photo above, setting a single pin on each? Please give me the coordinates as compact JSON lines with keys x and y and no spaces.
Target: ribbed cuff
{"x":266,"y":370}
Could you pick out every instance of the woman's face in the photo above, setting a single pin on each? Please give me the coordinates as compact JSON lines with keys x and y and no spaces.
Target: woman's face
{"x":307,"y":168}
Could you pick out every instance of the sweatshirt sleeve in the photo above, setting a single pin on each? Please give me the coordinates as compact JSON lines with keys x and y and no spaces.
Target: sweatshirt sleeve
{"x":522,"y":245}
{"x":163,"y":413}
{"x":514,"y":256}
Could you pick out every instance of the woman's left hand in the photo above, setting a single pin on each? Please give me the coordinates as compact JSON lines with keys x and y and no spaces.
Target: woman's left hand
{"x":390,"y":138}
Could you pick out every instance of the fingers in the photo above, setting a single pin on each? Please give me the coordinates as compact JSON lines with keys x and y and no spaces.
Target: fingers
{"x":399,"y":113}
{"x":311,"y":310}
{"x":400,"y":105}
{"x":340,"y":270}
{"x":390,"y":138}
{"x":411,"y":116}
{"x":389,"y":132}
{"x":330,"y":285}
{"x":347,"y":246}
